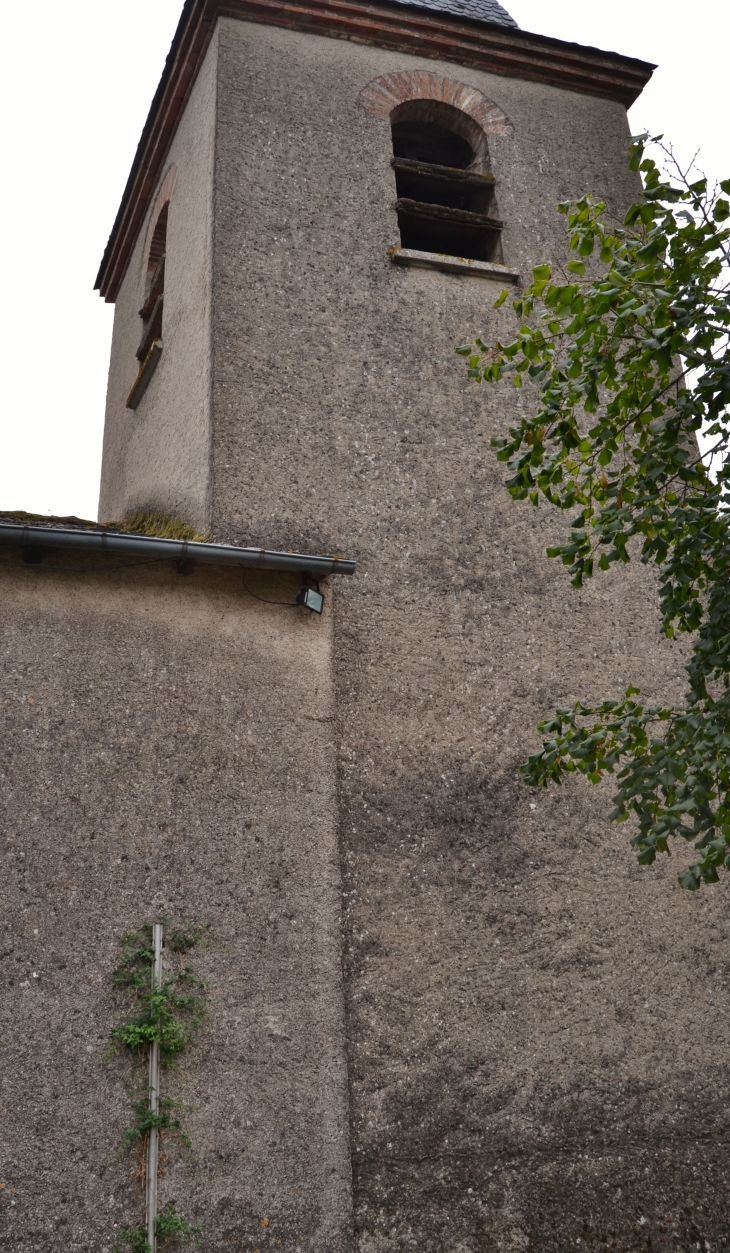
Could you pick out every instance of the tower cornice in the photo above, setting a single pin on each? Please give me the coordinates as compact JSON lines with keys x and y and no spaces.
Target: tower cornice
{"x":488,"y":46}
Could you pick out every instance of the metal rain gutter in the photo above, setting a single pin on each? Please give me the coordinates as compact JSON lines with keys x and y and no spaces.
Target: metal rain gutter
{"x":106,"y":542}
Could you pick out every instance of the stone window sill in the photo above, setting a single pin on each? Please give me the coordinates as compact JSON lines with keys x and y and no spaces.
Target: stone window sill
{"x":454,"y":265}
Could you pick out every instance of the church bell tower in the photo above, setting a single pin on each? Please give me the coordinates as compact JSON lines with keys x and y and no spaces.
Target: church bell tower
{"x":328,"y":197}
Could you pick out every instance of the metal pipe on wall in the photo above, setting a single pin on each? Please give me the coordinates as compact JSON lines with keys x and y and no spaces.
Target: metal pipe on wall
{"x":153,"y":1144}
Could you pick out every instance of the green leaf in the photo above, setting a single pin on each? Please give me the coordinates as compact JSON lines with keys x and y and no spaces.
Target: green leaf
{"x":606,"y":347}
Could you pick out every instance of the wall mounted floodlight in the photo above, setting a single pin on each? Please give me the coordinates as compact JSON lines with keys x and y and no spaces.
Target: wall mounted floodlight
{"x":311,"y":598}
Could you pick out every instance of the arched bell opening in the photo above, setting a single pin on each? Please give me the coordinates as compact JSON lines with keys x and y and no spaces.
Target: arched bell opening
{"x":446,"y":201}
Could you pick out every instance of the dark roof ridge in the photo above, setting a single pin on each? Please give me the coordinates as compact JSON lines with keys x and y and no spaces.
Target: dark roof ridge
{"x":479,"y":10}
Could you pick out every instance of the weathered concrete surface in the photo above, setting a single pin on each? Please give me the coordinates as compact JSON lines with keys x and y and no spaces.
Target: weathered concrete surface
{"x":160,"y":452}
{"x":168,"y":752}
{"x":538,"y":1028}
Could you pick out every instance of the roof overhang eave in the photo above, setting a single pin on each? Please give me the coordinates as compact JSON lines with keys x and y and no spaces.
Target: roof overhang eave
{"x":402,"y":27}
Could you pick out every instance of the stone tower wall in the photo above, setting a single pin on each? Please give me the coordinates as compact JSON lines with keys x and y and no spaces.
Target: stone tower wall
{"x":526,"y":1055}
{"x":524,"y":1059}
{"x":159,"y":453}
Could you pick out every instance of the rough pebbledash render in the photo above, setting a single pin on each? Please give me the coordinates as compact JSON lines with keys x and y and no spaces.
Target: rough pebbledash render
{"x":445,"y":1015}
{"x":169,"y":755}
{"x":168,"y":461}
{"x":525,"y":1064}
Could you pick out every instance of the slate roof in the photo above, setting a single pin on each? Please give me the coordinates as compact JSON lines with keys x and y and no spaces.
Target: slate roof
{"x":479,"y":10}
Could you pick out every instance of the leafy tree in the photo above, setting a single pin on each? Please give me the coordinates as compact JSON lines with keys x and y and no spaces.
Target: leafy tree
{"x":614,"y":440}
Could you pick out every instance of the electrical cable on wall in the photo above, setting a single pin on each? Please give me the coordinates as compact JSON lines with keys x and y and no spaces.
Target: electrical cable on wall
{"x":309,"y":597}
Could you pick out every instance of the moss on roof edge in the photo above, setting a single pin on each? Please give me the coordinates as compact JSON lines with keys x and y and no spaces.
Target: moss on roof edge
{"x":139,"y":522}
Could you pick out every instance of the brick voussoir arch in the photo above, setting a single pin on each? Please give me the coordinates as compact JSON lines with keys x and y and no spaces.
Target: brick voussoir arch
{"x":162,"y":198}
{"x":384,"y":94}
